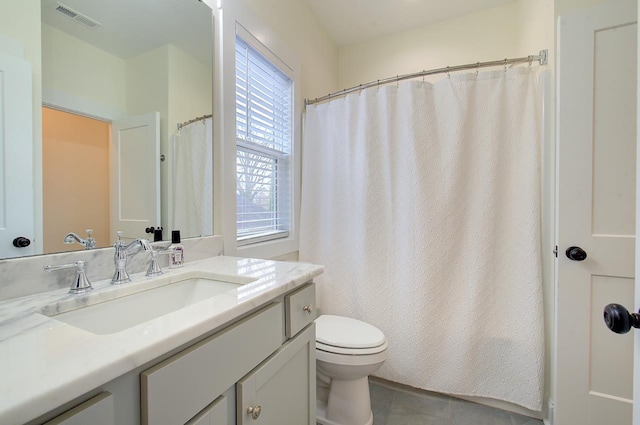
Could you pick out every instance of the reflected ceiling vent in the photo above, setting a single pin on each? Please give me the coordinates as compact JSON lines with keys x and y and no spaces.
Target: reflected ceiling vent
{"x":77,"y":16}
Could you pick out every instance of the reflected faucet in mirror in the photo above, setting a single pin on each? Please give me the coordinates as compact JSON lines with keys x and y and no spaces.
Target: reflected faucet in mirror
{"x":89,"y":242}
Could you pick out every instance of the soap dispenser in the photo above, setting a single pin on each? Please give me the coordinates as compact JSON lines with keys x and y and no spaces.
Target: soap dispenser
{"x":176,"y":251}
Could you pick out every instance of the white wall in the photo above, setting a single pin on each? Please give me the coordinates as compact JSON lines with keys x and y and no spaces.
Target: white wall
{"x":515,"y":29}
{"x":79,"y":76}
{"x":147,"y":78}
{"x":190,"y":91}
{"x":566,"y":6}
{"x":298,"y":27}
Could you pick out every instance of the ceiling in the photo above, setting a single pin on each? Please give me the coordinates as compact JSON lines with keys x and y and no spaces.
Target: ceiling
{"x":129,"y":28}
{"x":355,"y":21}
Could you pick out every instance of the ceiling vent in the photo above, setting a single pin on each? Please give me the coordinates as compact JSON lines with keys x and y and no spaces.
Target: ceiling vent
{"x":77,"y":16}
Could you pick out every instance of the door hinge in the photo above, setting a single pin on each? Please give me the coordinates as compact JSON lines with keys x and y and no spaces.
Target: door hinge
{"x":555,"y":251}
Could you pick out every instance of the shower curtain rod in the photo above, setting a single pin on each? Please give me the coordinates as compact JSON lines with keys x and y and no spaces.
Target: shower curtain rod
{"x":541,"y":58}
{"x":202,"y":118}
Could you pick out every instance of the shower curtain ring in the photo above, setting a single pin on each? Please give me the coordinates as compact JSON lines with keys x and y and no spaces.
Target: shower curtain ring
{"x":477,"y":68}
{"x":448,"y":73}
{"x":530,"y":60}
{"x":505,"y":64}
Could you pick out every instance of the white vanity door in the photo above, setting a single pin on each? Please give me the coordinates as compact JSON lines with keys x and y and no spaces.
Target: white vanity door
{"x":214,"y":414}
{"x":16,"y":157}
{"x":282,"y":390}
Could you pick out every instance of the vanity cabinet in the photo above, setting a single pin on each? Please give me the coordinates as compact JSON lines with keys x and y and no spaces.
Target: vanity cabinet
{"x":261,"y":366}
{"x":98,"y":410}
{"x":275,"y":380}
{"x":282,"y":389}
{"x":175,"y":390}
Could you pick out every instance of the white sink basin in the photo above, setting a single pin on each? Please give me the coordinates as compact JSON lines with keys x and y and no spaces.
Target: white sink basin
{"x":123,"y":311}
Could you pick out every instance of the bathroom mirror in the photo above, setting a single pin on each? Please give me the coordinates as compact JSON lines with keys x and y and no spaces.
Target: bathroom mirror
{"x":104,"y":62}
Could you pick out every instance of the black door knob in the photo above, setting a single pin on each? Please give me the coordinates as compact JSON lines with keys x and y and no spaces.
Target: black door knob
{"x":21,"y":242}
{"x":619,"y":320}
{"x":575,"y":253}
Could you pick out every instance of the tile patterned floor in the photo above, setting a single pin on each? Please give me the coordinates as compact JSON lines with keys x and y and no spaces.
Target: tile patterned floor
{"x":394,"y":404}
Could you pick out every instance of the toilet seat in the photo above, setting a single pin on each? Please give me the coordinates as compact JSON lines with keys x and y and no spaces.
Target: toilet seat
{"x":362,"y":360}
{"x":351,"y":351}
{"x":344,"y":335}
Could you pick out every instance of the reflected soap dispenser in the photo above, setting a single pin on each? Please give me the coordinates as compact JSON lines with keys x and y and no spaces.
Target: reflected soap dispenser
{"x":176,"y":251}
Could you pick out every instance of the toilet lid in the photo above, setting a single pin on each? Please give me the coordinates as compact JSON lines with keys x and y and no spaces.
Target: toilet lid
{"x":346,"y":332}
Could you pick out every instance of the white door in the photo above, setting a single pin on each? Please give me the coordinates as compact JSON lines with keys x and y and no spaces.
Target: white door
{"x":636,"y":356}
{"x":16,"y":159}
{"x":596,"y":129}
{"x":135,"y":175}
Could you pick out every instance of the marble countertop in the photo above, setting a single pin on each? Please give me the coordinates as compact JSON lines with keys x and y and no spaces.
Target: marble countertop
{"x":45,"y":363}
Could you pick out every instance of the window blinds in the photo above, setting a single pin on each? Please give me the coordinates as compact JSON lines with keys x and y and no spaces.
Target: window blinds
{"x":263,"y":146}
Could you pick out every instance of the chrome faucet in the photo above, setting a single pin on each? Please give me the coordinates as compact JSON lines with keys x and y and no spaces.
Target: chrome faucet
{"x":120,"y":257}
{"x":88,"y":243}
{"x":80,"y":284}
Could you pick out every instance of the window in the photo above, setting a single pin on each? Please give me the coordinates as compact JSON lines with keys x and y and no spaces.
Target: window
{"x":264,"y":111}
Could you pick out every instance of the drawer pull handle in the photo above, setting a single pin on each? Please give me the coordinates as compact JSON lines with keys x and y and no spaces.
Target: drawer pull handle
{"x":307,"y":308}
{"x":254,"y":411}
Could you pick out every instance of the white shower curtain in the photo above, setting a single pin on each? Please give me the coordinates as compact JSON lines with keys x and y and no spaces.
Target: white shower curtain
{"x":193,"y":179}
{"x":422,"y":201}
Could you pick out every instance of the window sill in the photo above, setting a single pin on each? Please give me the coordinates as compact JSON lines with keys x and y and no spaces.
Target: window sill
{"x":263,"y":237}
{"x":265,"y":249}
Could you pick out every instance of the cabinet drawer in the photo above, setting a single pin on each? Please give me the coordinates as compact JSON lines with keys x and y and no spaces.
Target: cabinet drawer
{"x":175,"y":390}
{"x":96,"y":411}
{"x":300,"y":309}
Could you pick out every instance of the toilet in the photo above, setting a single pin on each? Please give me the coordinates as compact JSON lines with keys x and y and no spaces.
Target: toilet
{"x":347,"y":352}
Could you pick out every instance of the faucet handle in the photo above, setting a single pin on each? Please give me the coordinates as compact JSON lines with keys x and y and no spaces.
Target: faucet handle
{"x":154,"y":268}
{"x":89,"y":242}
{"x":119,"y":241}
{"x":81,"y":283}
